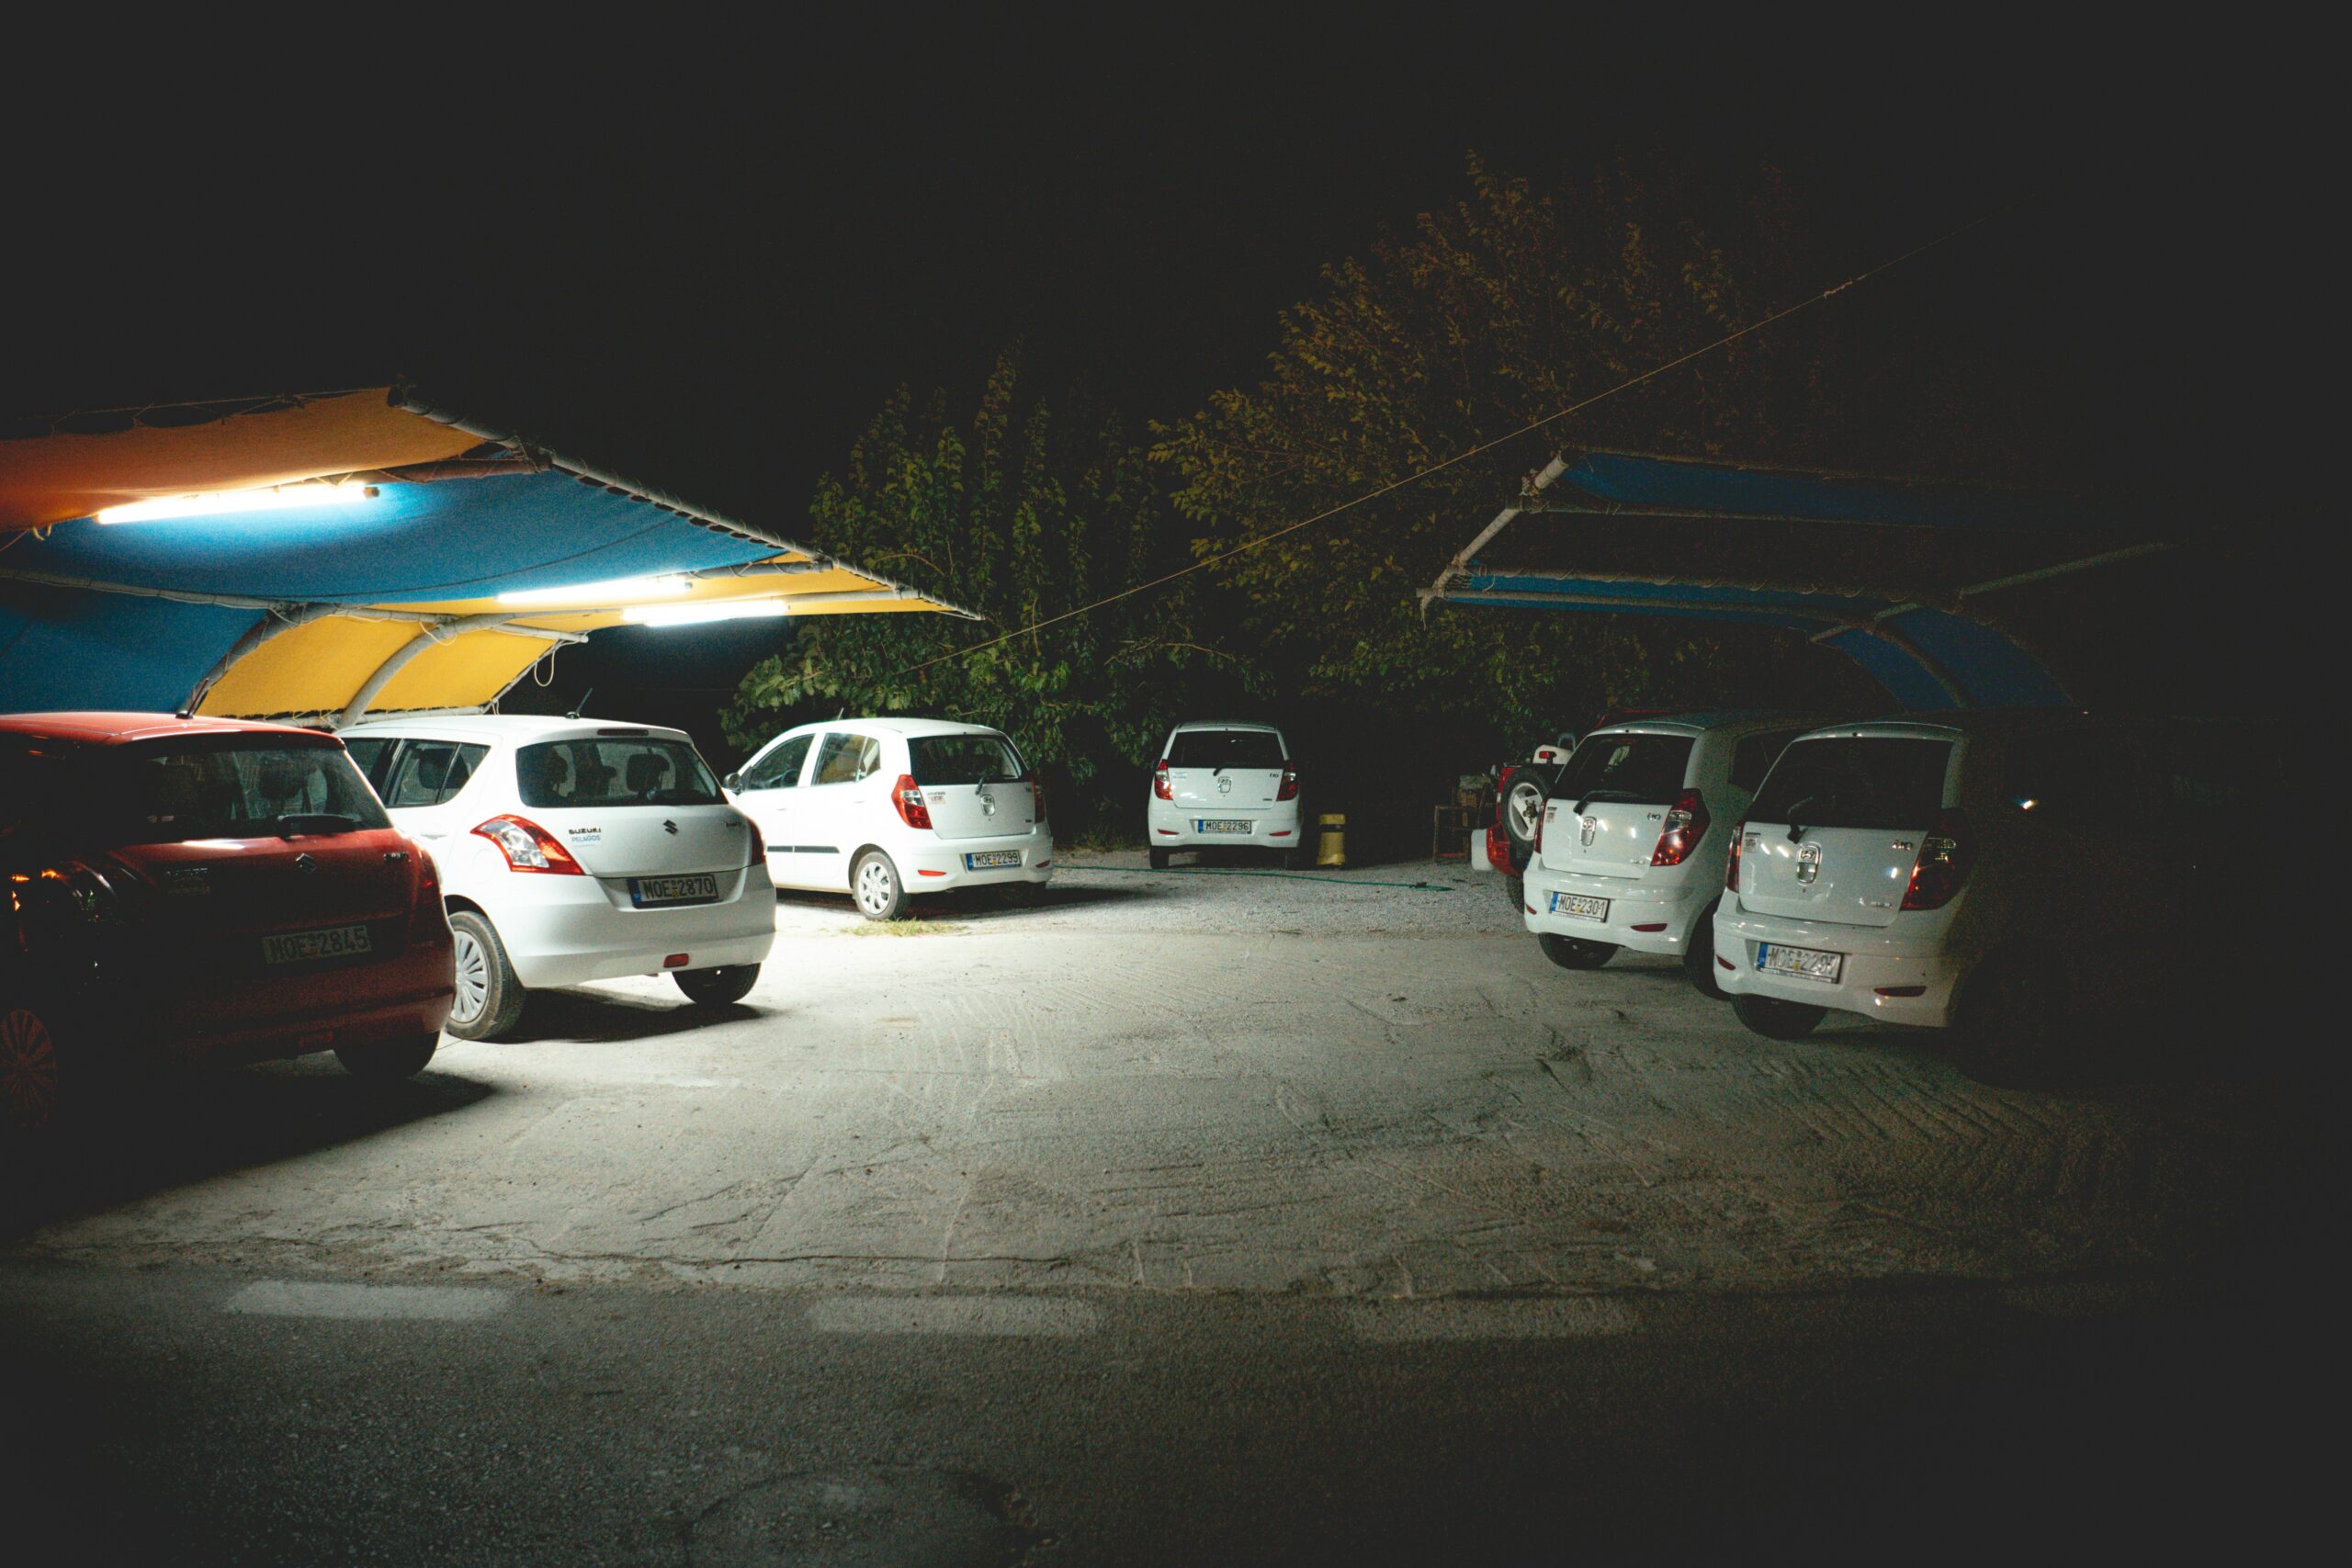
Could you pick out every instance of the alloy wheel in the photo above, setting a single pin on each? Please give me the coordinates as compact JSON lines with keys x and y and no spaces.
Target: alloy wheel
{"x":28,"y":1070}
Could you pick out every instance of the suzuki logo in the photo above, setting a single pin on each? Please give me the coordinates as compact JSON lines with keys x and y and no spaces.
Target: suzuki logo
{"x":306,"y":865}
{"x":669,"y":827}
{"x":1592,"y":824}
{"x":1808,"y":864}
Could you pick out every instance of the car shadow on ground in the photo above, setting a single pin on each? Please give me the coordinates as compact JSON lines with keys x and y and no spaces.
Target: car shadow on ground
{"x":975,"y":903}
{"x":602,"y":1017}
{"x":179,"y":1126}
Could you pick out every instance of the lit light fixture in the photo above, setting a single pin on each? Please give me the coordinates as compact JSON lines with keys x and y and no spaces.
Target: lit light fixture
{"x":716,"y":610}
{"x":597,"y":595}
{"x":278,"y":498}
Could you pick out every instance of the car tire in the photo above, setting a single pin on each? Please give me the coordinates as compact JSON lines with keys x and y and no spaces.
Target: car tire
{"x":717,"y":987}
{"x":875,"y":888}
{"x":489,"y":998}
{"x":388,"y":1061}
{"x":1777,"y":1020}
{"x":2007,"y":1027}
{"x":33,"y":1070}
{"x":1159,"y":860}
{"x":1522,"y":808}
{"x":1698,"y":956}
{"x":1574,"y":951}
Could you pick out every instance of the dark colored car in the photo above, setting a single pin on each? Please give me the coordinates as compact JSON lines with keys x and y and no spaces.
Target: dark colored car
{"x":200,"y":890}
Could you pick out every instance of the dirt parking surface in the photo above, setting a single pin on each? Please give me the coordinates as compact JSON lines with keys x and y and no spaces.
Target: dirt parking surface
{"x":1175,"y":1081}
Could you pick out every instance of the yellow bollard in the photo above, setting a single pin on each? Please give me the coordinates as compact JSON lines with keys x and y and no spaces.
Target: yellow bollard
{"x":1333,"y":849}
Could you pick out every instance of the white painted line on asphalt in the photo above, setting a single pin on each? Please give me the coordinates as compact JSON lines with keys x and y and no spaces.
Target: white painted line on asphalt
{"x":1571,"y":1317}
{"x":1009,"y":1317}
{"x":318,"y":1297}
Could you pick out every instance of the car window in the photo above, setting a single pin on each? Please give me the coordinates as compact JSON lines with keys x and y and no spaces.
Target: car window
{"x":613,"y":770}
{"x":234,"y":788}
{"x":430,"y":772}
{"x":1856,"y":782}
{"x":1643,"y":770}
{"x":780,"y":768}
{"x":368,"y":754}
{"x":39,"y":781}
{"x":1754,"y":756}
{"x":1225,"y":749}
{"x":845,"y":758}
{"x":963,"y":759}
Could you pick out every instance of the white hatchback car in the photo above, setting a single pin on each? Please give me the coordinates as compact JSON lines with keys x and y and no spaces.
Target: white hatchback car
{"x":1224,"y":785}
{"x":1632,"y":837}
{"x":885,"y":809}
{"x":573,"y":849}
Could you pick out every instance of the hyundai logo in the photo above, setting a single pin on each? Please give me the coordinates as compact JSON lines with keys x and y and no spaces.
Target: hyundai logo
{"x":1591,"y":825}
{"x":1808,"y":864}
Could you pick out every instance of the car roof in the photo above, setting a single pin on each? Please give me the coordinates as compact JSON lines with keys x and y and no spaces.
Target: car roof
{"x":117,"y":728}
{"x":1226,"y":724}
{"x":492,"y":727}
{"x":1954,"y":723}
{"x":1711,"y":720}
{"x":908,"y":727}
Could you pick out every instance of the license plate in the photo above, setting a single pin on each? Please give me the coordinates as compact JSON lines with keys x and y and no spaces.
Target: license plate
{"x":304,"y":947}
{"x":1580,"y":906}
{"x":989,"y":860}
{"x":648,"y":890}
{"x":1804,"y":963}
{"x":1223,"y":825}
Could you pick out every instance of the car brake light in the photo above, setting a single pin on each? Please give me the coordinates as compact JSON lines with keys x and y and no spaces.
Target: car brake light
{"x":1541,"y":817}
{"x":1937,"y":875}
{"x":1288,"y":789}
{"x":1037,"y":796}
{"x":1731,"y":861}
{"x":1502,"y":790}
{"x":1159,"y":784}
{"x":529,"y":847}
{"x":906,"y":795}
{"x":1686,"y":824}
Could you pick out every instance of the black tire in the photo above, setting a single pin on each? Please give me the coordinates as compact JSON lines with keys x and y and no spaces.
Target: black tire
{"x":2008,"y":1028}
{"x":875,"y":887}
{"x":1698,"y":956}
{"x":1522,"y":808}
{"x":388,"y":1061}
{"x":34,"y":1070}
{"x":717,"y":987}
{"x":1777,"y":1020}
{"x":1574,"y":951}
{"x":1515,"y":889}
{"x":490,"y":998}
{"x":1159,"y":860}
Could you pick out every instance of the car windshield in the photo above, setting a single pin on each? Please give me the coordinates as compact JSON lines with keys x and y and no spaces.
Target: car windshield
{"x":1225,"y":748}
{"x":964,"y":759}
{"x":613,"y":770}
{"x":1856,"y":782}
{"x":1643,"y":770}
{"x":231,"y":787}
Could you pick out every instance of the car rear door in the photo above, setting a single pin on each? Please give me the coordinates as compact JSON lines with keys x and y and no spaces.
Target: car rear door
{"x":639,"y":803}
{"x":974,"y":784}
{"x":769,"y":793}
{"x":1229,"y":775}
{"x":1610,"y":805}
{"x":1837,"y":829}
{"x":842,"y":807}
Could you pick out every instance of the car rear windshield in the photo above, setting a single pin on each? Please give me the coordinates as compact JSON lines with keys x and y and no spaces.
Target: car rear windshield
{"x":964,"y":759}
{"x":1225,"y":748}
{"x":613,"y":770}
{"x":1645,"y":770}
{"x":232,"y":788}
{"x":1856,"y":782}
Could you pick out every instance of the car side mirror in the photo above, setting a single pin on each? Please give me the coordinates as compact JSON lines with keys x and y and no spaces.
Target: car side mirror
{"x":732,"y":781}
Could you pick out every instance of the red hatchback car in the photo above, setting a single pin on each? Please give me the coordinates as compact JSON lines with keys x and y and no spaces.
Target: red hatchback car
{"x":195,"y":889}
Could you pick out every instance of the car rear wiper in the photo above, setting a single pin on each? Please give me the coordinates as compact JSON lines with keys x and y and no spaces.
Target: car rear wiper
{"x":299,"y":824}
{"x":1620,"y":795}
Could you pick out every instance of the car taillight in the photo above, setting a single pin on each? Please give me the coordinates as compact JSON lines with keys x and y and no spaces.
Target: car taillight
{"x":1038,"y":795}
{"x":1289,"y":787}
{"x":529,"y":847}
{"x":1502,"y":790}
{"x":1731,"y":861}
{"x":427,"y":904}
{"x":1686,"y":824}
{"x":1541,"y":817}
{"x":1159,"y":784}
{"x":906,"y":795}
{"x":1937,"y":875}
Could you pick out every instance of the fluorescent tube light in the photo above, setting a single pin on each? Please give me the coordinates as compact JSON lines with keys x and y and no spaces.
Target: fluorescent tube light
{"x":714,"y":610}
{"x":597,"y":595}
{"x":282,"y":498}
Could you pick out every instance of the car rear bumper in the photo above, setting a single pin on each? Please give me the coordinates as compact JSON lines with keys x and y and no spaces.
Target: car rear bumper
{"x":1171,"y":827}
{"x":1877,"y":961}
{"x":1674,"y":905}
{"x":937,"y":868}
{"x":418,"y":1006}
{"x":560,"y":931}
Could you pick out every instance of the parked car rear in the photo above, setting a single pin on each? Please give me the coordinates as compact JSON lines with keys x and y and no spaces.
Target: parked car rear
{"x":1224,"y":785}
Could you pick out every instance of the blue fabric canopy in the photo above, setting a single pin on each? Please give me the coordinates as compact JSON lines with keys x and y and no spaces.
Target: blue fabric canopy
{"x":63,"y":648}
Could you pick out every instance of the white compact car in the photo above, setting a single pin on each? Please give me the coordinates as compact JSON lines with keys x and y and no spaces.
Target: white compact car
{"x":573,"y":849}
{"x":1224,"y":785}
{"x":885,"y":809}
{"x":1631,"y":842}
{"x":1987,"y":871}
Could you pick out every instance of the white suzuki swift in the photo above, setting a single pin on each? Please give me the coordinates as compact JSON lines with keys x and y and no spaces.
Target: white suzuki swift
{"x":1224,"y":785}
{"x":889,"y":808}
{"x":1632,"y":837}
{"x":573,"y":849}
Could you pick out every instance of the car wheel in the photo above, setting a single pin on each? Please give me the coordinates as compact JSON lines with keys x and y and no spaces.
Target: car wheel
{"x":1159,"y":860}
{"x":1515,"y":889}
{"x":31,"y":1073}
{"x":490,"y":998}
{"x":388,"y":1061}
{"x":1777,"y":1020}
{"x":1699,"y":954}
{"x":1574,"y":953}
{"x":2008,"y":1024}
{"x":716,"y":988}
{"x":875,"y":885}
{"x":1523,"y":808}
